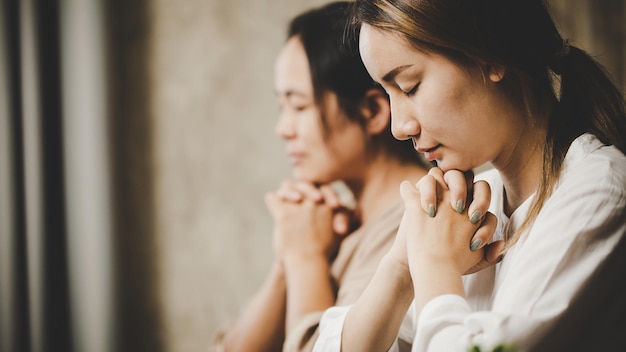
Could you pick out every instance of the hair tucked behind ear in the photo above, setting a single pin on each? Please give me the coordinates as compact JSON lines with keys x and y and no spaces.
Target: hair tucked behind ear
{"x":521,"y":37}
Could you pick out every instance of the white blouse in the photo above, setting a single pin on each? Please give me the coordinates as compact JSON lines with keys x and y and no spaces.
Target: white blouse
{"x":513,"y":302}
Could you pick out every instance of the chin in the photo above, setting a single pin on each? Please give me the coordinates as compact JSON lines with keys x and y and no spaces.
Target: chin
{"x":314,"y":175}
{"x":306,"y":177}
{"x":444,"y":166}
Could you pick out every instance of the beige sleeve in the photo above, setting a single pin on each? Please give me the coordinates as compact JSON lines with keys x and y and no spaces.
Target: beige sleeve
{"x":303,"y":336}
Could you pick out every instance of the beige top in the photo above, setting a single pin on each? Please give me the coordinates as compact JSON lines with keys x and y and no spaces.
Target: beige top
{"x":356,"y":262}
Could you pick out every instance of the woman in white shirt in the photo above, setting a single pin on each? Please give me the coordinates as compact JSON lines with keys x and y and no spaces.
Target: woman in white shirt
{"x":493,"y":81}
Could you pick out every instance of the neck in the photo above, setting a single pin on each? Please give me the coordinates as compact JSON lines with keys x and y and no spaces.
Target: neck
{"x":378,"y":191}
{"x":521,"y":172}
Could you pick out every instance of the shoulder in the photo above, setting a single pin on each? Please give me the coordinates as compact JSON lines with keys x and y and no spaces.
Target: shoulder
{"x":590,"y":196}
{"x":591,"y":166}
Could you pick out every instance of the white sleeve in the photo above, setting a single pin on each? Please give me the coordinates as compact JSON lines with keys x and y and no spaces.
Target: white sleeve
{"x":447,"y":323}
{"x":441,"y":319}
{"x":330,"y":329}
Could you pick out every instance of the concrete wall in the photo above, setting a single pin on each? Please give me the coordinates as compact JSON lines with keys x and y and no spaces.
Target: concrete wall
{"x":215,"y":153}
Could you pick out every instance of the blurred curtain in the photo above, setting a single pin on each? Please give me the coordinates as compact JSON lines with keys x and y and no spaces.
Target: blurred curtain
{"x":55,"y":219}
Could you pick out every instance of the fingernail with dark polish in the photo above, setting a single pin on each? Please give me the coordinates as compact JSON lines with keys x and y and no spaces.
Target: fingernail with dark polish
{"x":460,"y":205}
{"x":475,"y":217}
{"x":475,"y":245}
{"x":431,"y":210}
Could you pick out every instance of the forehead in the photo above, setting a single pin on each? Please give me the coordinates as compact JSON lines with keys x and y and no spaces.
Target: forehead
{"x":291,"y":69}
{"x":383,"y":51}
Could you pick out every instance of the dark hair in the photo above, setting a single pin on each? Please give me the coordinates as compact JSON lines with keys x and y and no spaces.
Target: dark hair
{"x":335,"y":65}
{"x":521,"y":37}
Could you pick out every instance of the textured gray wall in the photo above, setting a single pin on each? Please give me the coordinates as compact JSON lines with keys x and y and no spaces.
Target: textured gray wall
{"x":215,"y":156}
{"x":215,"y":152}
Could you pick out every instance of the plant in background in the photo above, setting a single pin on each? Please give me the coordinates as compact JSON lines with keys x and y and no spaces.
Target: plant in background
{"x":499,"y":348}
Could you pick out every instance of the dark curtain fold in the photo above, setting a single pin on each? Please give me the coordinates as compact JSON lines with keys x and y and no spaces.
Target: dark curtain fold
{"x":14,"y":331}
{"x":137,"y":286}
{"x":35,"y":302}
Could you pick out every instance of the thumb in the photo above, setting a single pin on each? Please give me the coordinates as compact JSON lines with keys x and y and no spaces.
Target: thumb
{"x":410,"y":195}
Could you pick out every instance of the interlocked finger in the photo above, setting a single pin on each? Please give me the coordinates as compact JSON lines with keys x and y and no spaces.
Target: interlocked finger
{"x":481,"y":198}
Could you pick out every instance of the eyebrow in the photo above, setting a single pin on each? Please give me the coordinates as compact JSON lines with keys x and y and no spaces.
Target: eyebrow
{"x":393,"y":73}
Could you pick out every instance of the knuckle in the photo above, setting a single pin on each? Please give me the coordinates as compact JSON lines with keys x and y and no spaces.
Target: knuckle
{"x":435,"y":171}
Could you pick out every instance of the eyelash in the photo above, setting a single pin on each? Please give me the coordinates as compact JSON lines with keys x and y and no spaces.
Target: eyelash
{"x":295,"y":107}
{"x":300,"y":108}
{"x":411,"y":92}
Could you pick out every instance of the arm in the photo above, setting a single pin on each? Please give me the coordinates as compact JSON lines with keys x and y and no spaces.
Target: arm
{"x":300,"y":268}
{"x":372,"y":324}
{"x":309,"y":285}
{"x":439,"y":246}
{"x":261,"y":326}
{"x":306,"y":240}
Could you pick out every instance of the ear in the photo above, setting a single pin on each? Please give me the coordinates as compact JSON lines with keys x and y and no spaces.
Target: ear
{"x":376,"y":111}
{"x":496,"y":73}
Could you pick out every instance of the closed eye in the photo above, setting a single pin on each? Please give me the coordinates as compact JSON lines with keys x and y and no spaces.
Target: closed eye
{"x":300,"y":108}
{"x":411,"y":91}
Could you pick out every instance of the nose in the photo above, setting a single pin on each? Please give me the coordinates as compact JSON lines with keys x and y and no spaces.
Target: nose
{"x":285,"y":127}
{"x":404,"y":124}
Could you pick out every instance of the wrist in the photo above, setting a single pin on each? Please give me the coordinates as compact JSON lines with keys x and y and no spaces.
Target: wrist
{"x":398,"y":276}
{"x":305,"y":261}
{"x":302,"y":253}
{"x":433,"y":279}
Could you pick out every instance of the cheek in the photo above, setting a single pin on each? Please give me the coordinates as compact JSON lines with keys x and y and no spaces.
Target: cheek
{"x":310,"y":130}
{"x":348,"y":144}
{"x":449,"y":109}
{"x":435,"y":111}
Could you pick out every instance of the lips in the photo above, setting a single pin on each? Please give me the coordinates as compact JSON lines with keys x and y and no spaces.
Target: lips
{"x":295,"y":158}
{"x":429,"y":152}
{"x":423,"y":149}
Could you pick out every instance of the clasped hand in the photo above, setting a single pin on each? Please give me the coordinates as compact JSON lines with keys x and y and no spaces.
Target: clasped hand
{"x":447,"y":223}
{"x":308,"y":220}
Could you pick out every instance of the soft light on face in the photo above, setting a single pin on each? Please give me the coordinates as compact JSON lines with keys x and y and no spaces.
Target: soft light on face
{"x":458,"y":118}
{"x":314,"y":156}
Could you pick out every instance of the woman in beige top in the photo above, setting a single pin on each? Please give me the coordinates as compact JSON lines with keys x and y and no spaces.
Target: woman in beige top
{"x":336,"y":124}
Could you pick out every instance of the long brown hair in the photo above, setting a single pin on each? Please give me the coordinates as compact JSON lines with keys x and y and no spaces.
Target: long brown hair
{"x":548,"y":75}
